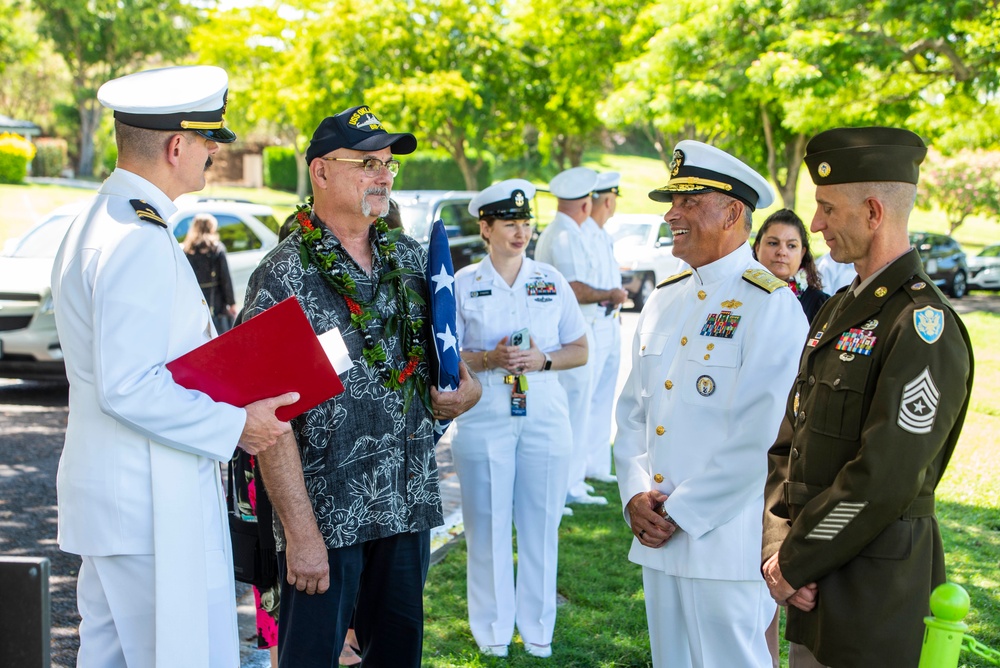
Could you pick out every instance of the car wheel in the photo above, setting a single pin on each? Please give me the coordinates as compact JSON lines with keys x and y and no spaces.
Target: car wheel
{"x":645,"y":291}
{"x":958,"y":285}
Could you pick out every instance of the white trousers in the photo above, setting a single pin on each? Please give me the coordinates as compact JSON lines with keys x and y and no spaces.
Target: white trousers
{"x":706,"y":623}
{"x":118,"y":628}
{"x":579,"y":387}
{"x":513,"y":469}
{"x":605,"y":358}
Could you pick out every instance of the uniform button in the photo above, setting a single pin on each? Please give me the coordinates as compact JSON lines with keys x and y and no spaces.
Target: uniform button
{"x":642,"y":348}
{"x":710,"y":346}
{"x":658,"y":477}
{"x":660,"y":430}
{"x":707,"y":356}
{"x":684,"y":340}
{"x":669,"y":385}
{"x":701,"y":294}
{"x":802,"y":416}
{"x":836,"y":382}
{"x":204,"y":303}
{"x":795,"y":453}
{"x":812,"y":380}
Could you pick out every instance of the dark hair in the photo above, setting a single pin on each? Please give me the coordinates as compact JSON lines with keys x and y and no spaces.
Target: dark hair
{"x":789,"y":217}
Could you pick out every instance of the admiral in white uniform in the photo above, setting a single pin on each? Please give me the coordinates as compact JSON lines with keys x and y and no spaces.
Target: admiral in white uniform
{"x":140,"y":496}
{"x":713,"y":359}
{"x":511,"y":452}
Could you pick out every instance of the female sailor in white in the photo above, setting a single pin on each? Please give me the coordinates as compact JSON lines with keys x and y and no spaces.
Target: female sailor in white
{"x":512,"y":449}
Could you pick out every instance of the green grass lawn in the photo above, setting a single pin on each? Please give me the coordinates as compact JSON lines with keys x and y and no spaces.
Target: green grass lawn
{"x":602,"y":624}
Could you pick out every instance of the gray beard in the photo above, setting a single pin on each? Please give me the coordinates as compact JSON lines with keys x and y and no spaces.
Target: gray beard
{"x":366,"y":207}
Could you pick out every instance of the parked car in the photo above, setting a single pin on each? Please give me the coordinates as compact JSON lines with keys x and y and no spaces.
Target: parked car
{"x":420,"y":208}
{"x":943,"y":260}
{"x":984,"y":269}
{"x":644,"y":250}
{"x":29,"y":346}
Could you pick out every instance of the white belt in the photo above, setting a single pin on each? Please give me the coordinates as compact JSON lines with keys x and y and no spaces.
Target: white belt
{"x":495,"y":377}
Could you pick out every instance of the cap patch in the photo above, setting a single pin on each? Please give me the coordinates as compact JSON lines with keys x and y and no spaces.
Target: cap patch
{"x":676,"y":162}
{"x":364,"y":119}
{"x":823,"y":169}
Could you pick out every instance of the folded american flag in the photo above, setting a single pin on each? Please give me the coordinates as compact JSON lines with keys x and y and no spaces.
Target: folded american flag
{"x":441,"y":284}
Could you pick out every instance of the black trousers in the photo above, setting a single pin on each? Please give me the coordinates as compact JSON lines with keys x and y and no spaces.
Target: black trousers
{"x":380,"y":582}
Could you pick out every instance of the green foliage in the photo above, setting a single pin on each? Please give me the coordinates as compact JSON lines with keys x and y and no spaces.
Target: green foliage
{"x":962,"y":185}
{"x":15,"y":154}
{"x":51,"y":157}
{"x":280,"y":168}
{"x":428,"y":170}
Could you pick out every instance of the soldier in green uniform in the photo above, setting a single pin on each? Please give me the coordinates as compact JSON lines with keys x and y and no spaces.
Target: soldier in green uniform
{"x":851,"y":543}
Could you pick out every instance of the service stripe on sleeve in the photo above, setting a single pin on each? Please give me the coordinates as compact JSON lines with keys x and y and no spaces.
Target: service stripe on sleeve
{"x":834,"y":523}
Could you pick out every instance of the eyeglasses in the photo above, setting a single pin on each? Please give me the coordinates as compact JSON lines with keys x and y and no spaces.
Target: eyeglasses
{"x":372,"y":166}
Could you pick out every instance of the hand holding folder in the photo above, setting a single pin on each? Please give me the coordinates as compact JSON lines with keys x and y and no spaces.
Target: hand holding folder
{"x":268,"y":355}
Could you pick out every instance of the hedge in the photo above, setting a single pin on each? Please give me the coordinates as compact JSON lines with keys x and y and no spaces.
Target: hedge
{"x":279,"y":168}
{"x":51,"y":158}
{"x":426,"y":170}
{"x":15,"y":154}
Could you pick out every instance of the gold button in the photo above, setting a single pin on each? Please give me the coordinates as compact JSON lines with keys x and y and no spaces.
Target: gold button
{"x":707,"y":356}
{"x":669,"y":385}
{"x":660,"y":430}
{"x":658,"y":477}
{"x":642,"y":348}
{"x":684,"y":340}
{"x":701,"y":294}
{"x":710,"y":346}
{"x":204,"y":303}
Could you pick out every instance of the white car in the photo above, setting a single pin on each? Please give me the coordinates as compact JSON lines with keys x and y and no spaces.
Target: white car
{"x":643,"y":248}
{"x":29,"y":346}
{"x":984,"y":269}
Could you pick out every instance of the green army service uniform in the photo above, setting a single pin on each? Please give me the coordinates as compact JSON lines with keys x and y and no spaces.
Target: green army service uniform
{"x":871,"y":422}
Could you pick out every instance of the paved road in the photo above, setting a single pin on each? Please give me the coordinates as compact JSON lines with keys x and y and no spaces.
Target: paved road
{"x":32,"y":427}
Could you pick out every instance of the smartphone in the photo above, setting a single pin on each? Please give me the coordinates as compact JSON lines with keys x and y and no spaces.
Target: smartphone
{"x":521,"y":338}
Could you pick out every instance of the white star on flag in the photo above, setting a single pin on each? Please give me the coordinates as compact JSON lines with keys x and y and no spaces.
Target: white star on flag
{"x":448,"y":339}
{"x":443,"y":280}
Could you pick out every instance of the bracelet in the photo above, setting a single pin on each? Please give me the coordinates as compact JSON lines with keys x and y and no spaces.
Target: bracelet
{"x":486,"y":360}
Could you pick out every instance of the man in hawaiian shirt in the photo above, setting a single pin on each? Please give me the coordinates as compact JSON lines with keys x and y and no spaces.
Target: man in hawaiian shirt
{"x":356,"y":492}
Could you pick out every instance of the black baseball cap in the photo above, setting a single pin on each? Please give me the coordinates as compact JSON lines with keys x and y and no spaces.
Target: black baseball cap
{"x":357,"y":128}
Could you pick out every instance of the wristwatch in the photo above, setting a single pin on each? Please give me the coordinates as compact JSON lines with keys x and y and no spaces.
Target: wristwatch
{"x":548,"y":362}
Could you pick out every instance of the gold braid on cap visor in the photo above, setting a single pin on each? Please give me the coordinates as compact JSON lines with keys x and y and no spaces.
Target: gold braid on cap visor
{"x":203,"y":125}
{"x":689,"y":183}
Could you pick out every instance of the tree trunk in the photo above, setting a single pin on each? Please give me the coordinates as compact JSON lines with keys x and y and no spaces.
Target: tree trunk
{"x":794,"y":152}
{"x":301,"y":174}
{"x":90,"y":118}
{"x":469,"y":170}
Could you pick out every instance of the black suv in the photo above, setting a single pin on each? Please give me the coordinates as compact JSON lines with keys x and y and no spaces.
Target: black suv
{"x":943,"y":260}
{"x":420,"y":208}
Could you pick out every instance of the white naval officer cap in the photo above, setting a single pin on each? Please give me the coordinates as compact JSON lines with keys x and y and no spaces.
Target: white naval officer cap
{"x":573,"y":183}
{"x":507,"y":200}
{"x":698,"y":168}
{"x":607,"y":182}
{"x":189,"y":97}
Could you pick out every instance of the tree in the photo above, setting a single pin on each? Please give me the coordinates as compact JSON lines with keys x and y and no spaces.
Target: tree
{"x":965,"y":184}
{"x":33,"y":79}
{"x":103,"y":39}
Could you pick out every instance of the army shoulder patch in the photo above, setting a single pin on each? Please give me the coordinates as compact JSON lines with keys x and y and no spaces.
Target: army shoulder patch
{"x":929,"y":323}
{"x":919,"y":403}
{"x":147,"y":212}
{"x":764,"y":280}
{"x":673,"y":279}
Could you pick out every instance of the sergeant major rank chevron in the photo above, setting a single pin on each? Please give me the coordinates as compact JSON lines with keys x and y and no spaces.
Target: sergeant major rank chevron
{"x":919,"y":403}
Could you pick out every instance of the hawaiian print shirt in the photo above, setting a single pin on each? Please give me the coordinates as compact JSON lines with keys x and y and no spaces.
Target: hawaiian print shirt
{"x":369,"y":467}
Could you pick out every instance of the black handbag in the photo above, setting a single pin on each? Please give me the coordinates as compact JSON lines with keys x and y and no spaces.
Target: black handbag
{"x":255,"y":560}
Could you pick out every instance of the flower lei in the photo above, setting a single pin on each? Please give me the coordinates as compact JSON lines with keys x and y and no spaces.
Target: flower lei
{"x":363,"y":314}
{"x":799,"y":282}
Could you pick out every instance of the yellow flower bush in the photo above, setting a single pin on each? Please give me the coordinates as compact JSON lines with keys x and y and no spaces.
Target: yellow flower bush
{"x":15,"y":154}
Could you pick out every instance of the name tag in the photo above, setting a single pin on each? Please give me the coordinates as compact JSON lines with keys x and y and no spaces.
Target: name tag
{"x":480,"y":293}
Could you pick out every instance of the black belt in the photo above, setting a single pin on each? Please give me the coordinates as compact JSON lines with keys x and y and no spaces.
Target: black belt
{"x":799,"y":494}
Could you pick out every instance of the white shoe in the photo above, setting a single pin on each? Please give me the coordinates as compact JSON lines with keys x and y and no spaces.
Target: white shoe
{"x":567,"y":511}
{"x":538,"y":651}
{"x":589,"y":488}
{"x":604,"y":477}
{"x":587,"y":499}
{"x":494,"y":650}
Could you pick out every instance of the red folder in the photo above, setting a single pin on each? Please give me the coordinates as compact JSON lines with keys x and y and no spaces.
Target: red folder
{"x":275,"y":352}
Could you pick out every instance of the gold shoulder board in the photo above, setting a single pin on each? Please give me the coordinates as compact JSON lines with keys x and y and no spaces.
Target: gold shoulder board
{"x":764,"y":280}
{"x":147,"y":212}
{"x":673,"y":279}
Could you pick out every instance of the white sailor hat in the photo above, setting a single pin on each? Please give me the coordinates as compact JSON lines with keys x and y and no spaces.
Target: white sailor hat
{"x":573,"y":183}
{"x":507,"y":200}
{"x":607,"y":182}
{"x":172,"y":98}
{"x":698,"y":168}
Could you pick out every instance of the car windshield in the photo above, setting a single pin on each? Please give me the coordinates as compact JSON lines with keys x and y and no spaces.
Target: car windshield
{"x":990,"y":251}
{"x":414,"y":215}
{"x":632,"y":234}
{"x":44,"y":240}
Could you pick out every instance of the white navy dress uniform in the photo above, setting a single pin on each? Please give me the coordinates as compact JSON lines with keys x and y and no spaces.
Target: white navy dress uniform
{"x":574,"y":250}
{"x":713,"y":358}
{"x":513,"y":468}
{"x":139,"y":489}
{"x":606,"y":353}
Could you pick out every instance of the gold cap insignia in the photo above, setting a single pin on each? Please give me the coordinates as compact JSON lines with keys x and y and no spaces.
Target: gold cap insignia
{"x":676,"y":162}
{"x":519,"y":199}
{"x":823,"y":169}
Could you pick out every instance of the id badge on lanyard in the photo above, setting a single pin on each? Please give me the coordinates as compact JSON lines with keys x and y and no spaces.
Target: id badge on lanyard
{"x":519,"y":397}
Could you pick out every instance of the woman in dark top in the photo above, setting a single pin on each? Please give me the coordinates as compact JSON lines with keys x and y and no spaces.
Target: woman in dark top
{"x":207,"y":256}
{"x":782,"y":245}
